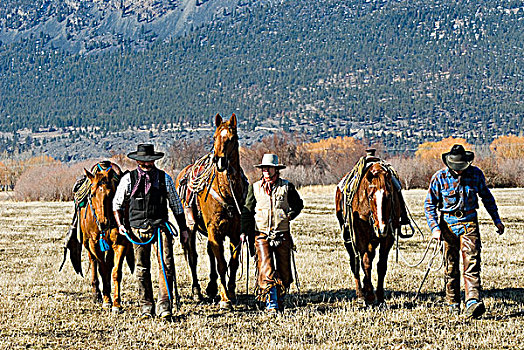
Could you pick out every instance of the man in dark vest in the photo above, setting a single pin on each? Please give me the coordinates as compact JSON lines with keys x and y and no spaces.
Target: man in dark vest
{"x":146,"y":192}
{"x":454,"y":191}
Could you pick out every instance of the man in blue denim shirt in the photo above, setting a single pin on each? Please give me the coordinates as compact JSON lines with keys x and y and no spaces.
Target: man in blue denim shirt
{"x":453,"y":191}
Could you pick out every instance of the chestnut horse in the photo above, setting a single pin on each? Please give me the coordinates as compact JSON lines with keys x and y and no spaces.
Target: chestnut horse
{"x":98,"y":228}
{"x":212,"y":191}
{"x":369,"y":217}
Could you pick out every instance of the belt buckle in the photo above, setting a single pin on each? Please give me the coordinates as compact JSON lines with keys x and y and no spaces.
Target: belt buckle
{"x":459,"y":214}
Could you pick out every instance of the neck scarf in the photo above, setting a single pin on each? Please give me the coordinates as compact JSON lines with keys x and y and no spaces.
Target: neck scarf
{"x":267,"y":184}
{"x":150,"y":179}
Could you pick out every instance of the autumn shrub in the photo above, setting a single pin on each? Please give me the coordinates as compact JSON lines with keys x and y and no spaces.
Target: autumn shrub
{"x":413,"y":172}
{"x":50,"y":182}
{"x":46,"y":183}
{"x":182,"y":153}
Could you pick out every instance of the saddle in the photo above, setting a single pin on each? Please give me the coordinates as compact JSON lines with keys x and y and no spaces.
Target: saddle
{"x":193,"y":182}
{"x":198,"y":178}
{"x":83,"y":184}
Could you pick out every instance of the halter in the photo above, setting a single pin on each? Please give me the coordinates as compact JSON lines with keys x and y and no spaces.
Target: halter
{"x":104,"y":246}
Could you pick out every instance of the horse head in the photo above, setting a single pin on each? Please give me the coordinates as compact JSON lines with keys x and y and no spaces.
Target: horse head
{"x":103,"y":187}
{"x":225,"y":145}
{"x":380,"y":195}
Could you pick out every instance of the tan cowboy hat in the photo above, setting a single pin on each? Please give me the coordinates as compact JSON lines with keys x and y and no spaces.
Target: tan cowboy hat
{"x":458,"y":158}
{"x":271,"y":160}
{"x":145,"y":152}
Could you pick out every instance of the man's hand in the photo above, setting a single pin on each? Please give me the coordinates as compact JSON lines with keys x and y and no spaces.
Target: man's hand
{"x":243,"y":237}
{"x":122,"y":230}
{"x":184,"y":237}
{"x":500,"y":228}
{"x":436,"y":234}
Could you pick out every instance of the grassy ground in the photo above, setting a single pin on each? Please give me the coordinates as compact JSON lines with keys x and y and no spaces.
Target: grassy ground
{"x":43,"y":308}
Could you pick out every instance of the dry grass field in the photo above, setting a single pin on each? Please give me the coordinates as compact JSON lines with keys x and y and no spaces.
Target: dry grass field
{"x":43,"y":308}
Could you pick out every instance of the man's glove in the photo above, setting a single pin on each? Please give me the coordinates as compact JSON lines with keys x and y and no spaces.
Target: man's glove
{"x":184,"y":237}
{"x":436,"y":234}
{"x":500,"y":228}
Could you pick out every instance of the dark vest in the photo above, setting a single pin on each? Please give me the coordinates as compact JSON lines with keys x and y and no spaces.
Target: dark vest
{"x":148,"y":209}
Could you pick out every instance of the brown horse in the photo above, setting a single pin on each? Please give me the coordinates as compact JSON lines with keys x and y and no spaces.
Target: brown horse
{"x":368,"y":220}
{"x":98,"y":228}
{"x":213,"y":190}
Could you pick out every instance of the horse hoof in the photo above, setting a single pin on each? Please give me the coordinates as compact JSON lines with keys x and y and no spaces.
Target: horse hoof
{"x":211,"y":291}
{"x":106,"y":305}
{"x":117,"y":310}
{"x":225,"y":305}
{"x":197,"y":295}
{"x":232,"y":296}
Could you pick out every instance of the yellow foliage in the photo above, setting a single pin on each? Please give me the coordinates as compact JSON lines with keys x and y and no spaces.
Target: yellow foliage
{"x":508,"y":147}
{"x":434,"y":150}
{"x":40,"y":161}
{"x":340,"y":144}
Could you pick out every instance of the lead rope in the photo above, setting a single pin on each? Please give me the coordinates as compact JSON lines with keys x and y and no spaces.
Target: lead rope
{"x":233,"y":194}
{"x":439,"y":247}
{"x":295,"y":270}
{"x":170,"y":228}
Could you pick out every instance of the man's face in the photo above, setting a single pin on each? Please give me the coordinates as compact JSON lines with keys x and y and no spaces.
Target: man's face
{"x":268,"y":171}
{"x":146,"y":166}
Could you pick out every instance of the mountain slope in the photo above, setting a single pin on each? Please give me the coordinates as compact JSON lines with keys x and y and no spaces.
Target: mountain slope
{"x":401,"y":72}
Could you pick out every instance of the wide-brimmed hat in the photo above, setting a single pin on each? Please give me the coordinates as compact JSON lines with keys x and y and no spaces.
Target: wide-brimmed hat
{"x":458,"y":158}
{"x":145,"y":152}
{"x":271,"y":160}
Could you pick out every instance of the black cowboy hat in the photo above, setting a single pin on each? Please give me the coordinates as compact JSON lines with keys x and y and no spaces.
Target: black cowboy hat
{"x":458,"y":158}
{"x":145,"y":152}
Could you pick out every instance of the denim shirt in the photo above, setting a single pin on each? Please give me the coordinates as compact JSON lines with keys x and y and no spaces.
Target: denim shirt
{"x":450,"y":192}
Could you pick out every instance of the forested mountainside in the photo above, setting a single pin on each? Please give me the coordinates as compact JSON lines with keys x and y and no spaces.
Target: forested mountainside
{"x":82,"y":26}
{"x":400,"y":72}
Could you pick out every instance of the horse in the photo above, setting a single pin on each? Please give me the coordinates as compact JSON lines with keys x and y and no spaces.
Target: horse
{"x":369,"y":217}
{"x":106,"y":248}
{"x":213,"y":190}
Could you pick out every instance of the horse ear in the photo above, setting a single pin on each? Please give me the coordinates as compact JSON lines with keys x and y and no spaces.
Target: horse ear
{"x":233,"y":121}
{"x":218,"y":120}
{"x":88,"y":174}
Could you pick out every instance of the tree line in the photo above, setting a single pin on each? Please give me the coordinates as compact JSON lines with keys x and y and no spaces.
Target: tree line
{"x":307,"y":163}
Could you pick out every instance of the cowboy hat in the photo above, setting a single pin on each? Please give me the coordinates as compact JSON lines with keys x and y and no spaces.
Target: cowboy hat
{"x":145,"y":152}
{"x":271,"y":160}
{"x":458,"y":158}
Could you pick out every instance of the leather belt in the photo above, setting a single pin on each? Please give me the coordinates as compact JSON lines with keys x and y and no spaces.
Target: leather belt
{"x":460,"y":213}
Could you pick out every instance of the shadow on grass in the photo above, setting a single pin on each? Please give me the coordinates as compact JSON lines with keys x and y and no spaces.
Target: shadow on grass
{"x":329,"y":300}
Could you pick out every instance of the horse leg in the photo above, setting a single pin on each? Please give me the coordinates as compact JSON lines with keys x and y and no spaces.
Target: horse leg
{"x":382,"y":266}
{"x":118,"y":263}
{"x":367,"y":263}
{"x":355,"y":268}
{"x":218,"y":250}
{"x":97,"y":295}
{"x":192,"y":257}
{"x":212,"y":287}
{"x":105,"y":266}
{"x":233,"y":267}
